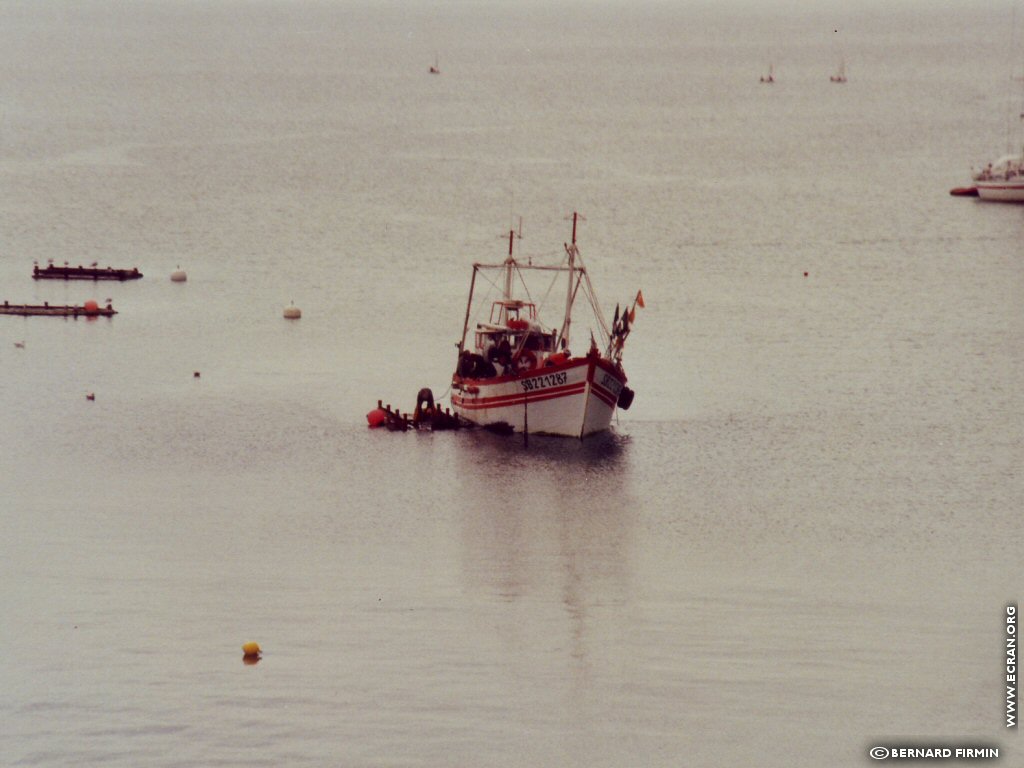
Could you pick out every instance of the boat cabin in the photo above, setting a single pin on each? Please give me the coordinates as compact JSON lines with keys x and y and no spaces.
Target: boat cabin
{"x":515,"y":322}
{"x":1005,"y":168}
{"x":513,"y":340}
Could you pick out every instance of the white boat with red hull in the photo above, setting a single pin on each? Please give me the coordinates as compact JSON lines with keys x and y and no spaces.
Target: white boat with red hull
{"x":516,"y":373}
{"x":1002,"y":180}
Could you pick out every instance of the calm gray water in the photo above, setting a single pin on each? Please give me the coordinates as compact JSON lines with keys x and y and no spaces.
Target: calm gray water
{"x":798,"y":543}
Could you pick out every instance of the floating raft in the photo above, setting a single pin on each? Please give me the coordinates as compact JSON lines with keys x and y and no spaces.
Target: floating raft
{"x":51,"y":272}
{"x":89,"y":309}
{"x":432,"y":419}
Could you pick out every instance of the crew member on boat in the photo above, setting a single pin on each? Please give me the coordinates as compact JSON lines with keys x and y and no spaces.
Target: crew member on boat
{"x":425,"y":407}
{"x":499,"y":354}
{"x":474,"y":366}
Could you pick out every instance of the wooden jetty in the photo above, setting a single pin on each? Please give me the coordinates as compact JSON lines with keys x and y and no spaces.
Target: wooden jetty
{"x":89,"y":309}
{"x":53,"y":272}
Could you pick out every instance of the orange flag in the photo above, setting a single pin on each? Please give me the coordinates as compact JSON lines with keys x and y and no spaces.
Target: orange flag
{"x":640,"y":299}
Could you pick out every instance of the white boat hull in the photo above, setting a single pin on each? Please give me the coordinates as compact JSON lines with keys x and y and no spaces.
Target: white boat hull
{"x":574,"y":399}
{"x":1005,"y":191}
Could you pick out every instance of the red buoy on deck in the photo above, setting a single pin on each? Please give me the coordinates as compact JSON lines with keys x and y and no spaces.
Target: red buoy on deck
{"x":91,"y":305}
{"x":377,"y":417}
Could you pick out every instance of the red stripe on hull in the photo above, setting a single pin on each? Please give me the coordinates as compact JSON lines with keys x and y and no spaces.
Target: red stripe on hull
{"x":610,"y":375}
{"x":504,"y":401}
{"x":1002,"y":187}
{"x":576,"y":362}
{"x":603,"y":395}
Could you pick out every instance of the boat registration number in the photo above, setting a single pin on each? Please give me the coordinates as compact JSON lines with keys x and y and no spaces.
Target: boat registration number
{"x":542,"y":382}
{"x":612,"y":384}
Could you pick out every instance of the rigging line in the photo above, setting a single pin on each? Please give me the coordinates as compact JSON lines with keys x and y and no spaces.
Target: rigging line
{"x":492,"y":282}
{"x":591,"y":295}
{"x":598,"y":313}
{"x":491,"y":288}
{"x":522,"y":282}
{"x":551,"y":286}
{"x":547,"y":293}
{"x":480,"y":305}
{"x":602,"y":330}
{"x":542,"y":256}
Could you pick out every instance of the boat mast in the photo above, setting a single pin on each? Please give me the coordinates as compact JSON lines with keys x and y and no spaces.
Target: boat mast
{"x":509,"y":267}
{"x":469,"y":304}
{"x":571,"y":250}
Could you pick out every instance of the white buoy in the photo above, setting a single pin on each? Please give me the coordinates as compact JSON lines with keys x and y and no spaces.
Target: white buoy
{"x":178,"y":275}
{"x":292,"y":312}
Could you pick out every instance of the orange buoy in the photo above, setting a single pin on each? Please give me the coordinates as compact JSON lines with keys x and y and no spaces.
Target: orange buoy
{"x":91,"y":306}
{"x":251,"y":650}
{"x":377,"y":418}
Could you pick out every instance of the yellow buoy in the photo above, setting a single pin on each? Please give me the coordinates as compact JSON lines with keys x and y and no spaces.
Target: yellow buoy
{"x":251,"y":649}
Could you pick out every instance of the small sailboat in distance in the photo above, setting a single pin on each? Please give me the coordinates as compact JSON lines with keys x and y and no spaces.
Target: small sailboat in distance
{"x":435,"y":69}
{"x":1003,"y":178}
{"x":770,"y":77}
{"x":840,"y":75}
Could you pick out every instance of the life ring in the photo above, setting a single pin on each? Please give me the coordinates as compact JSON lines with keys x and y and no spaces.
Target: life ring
{"x":526,"y":361}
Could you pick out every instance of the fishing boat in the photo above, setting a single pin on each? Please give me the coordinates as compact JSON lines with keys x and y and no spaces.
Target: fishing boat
{"x":1002,"y":180}
{"x":94,"y":272}
{"x":515,"y":373}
